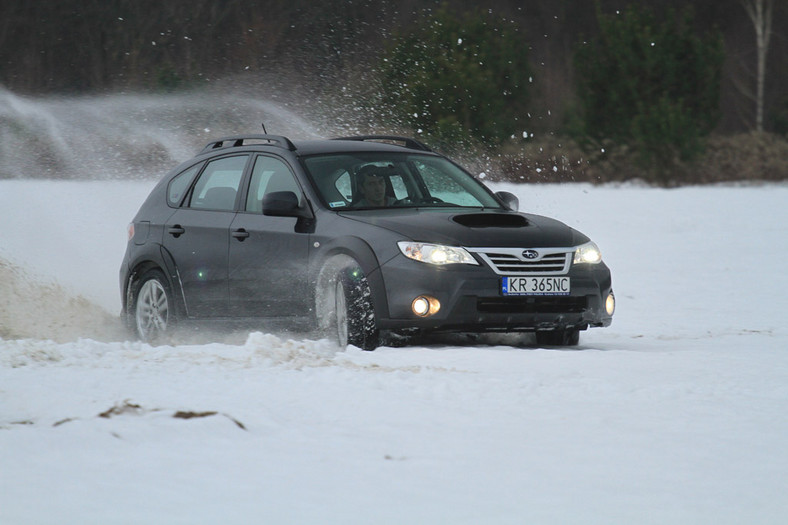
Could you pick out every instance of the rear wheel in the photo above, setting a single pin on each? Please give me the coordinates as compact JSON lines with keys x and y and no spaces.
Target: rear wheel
{"x":566,"y":337}
{"x":153,"y":313}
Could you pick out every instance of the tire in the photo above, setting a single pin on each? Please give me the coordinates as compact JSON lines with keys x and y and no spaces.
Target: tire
{"x":153,"y":309}
{"x":566,"y":337}
{"x":354,"y":314}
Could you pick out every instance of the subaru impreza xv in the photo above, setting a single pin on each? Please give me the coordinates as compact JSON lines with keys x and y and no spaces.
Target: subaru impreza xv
{"x":358,"y":237}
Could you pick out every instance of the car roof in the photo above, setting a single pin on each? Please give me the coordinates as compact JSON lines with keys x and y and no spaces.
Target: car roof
{"x":363,"y":143}
{"x":312,"y":147}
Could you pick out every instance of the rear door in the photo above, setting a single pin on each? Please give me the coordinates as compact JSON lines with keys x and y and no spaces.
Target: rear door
{"x":197,"y":236}
{"x":268,"y":257}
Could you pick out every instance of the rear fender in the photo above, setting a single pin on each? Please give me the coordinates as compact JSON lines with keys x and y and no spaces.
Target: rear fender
{"x":154,"y":258}
{"x":171,"y":271}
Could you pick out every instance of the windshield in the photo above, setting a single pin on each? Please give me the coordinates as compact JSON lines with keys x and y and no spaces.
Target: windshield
{"x":380,"y":180}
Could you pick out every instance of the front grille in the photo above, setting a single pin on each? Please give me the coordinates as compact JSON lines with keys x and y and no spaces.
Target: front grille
{"x":531,"y":305}
{"x":511,"y":261}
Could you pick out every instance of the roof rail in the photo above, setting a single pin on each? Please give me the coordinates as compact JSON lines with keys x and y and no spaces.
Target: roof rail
{"x":407,"y":142}
{"x":238,"y":140}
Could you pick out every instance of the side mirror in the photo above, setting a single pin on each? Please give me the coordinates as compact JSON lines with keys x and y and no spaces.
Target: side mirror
{"x":509,"y":200}
{"x":283,"y":204}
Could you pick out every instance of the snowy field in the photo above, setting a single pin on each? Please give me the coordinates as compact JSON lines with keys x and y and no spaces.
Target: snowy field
{"x":676,"y":414}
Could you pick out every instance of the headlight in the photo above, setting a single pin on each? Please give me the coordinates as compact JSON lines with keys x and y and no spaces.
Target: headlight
{"x":588,"y":253}
{"x":435,"y":253}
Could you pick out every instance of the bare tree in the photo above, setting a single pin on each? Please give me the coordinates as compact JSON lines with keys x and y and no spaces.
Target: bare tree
{"x":760,"y":13}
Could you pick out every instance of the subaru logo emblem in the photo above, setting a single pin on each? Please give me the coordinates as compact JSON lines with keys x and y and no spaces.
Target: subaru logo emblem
{"x":530,"y":254}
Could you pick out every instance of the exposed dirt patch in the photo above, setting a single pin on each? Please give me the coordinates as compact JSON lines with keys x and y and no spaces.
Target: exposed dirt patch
{"x":34,"y":309}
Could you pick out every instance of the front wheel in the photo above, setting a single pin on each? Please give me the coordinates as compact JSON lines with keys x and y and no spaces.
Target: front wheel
{"x":153,"y":307}
{"x":354,"y":312}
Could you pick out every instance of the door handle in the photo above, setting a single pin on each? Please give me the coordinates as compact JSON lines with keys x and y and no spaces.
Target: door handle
{"x":240,"y":234}
{"x":176,"y":231}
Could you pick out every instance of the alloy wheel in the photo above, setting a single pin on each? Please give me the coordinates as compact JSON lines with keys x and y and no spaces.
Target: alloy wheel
{"x":152,"y":311}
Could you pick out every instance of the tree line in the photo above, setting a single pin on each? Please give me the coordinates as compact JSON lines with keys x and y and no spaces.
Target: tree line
{"x":656,"y":75}
{"x":94,"y":45}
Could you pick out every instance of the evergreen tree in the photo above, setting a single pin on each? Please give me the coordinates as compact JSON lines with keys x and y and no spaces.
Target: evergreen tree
{"x":651,"y":84}
{"x":456,"y":76}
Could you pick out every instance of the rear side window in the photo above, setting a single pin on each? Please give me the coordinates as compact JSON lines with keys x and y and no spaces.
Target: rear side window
{"x":344,"y":187}
{"x":218,"y":184}
{"x":180,"y":185}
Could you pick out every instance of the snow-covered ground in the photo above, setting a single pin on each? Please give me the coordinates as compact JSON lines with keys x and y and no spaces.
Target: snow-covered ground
{"x":677,"y":413}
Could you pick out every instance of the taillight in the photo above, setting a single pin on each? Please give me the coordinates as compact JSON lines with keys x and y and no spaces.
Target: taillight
{"x":131,"y":231}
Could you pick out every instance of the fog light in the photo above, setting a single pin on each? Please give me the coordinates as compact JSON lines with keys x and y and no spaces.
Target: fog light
{"x":424,"y":306}
{"x":610,"y":304}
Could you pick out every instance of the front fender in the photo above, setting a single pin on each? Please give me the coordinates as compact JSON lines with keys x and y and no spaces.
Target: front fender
{"x":342,"y":255}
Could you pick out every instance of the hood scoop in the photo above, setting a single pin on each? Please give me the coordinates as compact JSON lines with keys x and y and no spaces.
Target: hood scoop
{"x":491,"y":220}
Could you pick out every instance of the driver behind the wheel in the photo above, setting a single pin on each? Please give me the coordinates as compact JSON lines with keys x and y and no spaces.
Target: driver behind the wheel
{"x":372,"y":187}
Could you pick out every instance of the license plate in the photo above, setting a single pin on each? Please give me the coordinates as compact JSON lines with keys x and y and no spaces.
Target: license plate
{"x":535,"y":286}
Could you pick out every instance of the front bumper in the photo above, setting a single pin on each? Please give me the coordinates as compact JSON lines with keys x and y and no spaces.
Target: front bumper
{"x":471,"y":300}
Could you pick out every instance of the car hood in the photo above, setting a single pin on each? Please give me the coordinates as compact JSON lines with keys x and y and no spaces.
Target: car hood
{"x":478,"y":228}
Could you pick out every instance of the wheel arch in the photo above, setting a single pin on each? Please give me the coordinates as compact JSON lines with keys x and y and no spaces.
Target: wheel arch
{"x":148,"y":262}
{"x":346,"y":253}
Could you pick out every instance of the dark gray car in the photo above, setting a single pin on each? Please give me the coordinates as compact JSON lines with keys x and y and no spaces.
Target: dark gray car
{"x":359,"y":236}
